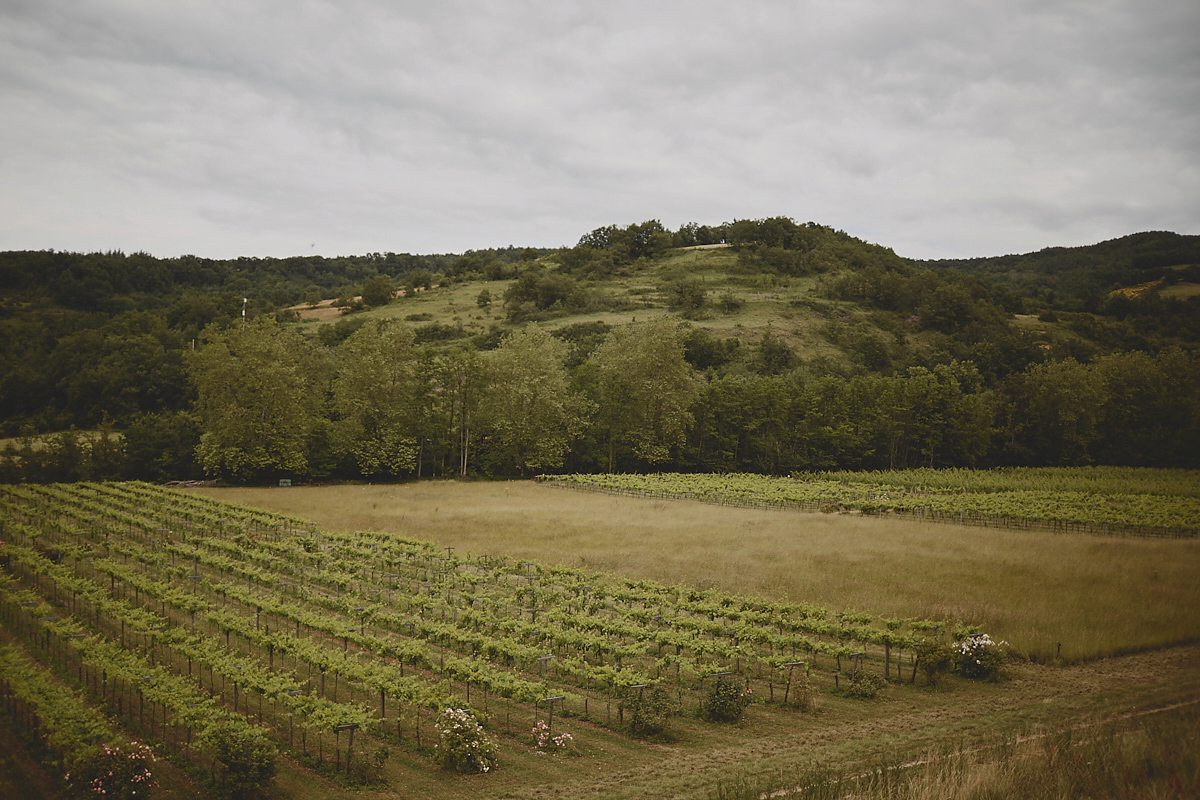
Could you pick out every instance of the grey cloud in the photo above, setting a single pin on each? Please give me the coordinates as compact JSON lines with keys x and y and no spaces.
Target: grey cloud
{"x":937,"y":128}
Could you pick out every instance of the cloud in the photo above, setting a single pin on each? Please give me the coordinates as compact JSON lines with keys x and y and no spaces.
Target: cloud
{"x":941,"y":129}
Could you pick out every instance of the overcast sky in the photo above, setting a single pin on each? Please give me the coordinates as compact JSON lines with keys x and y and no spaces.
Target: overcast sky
{"x":275,"y":128}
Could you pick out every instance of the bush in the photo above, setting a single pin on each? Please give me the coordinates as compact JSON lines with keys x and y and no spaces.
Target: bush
{"x":649,"y":709}
{"x":727,"y":700}
{"x":113,"y":772}
{"x":547,"y":742}
{"x":935,"y":659}
{"x":977,"y":656}
{"x":462,"y":745}
{"x":864,"y":685}
{"x":803,"y":696}
{"x":246,"y":756}
{"x":368,"y":770}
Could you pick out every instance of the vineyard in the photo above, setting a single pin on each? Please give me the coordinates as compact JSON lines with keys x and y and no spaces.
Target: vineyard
{"x":1107,"y":501}
{"x":186,"y":620}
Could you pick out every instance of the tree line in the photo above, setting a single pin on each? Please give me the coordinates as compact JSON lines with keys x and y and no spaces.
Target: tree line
{"x":270,"y":403}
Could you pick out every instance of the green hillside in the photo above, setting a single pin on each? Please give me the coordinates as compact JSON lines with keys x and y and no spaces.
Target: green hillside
{"x":792,"y":346}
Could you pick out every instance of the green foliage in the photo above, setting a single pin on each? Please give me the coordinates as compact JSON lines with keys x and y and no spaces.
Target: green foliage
{"x":935,"y":658}
{"x":378,"y":291}
{"x":864,"y":685}
{"x":952,"y":495}
{"x":729,"y":303}
{"x":727,"y":700}
{"x":369,"y":769}
{"x":332,"y":335}
{"x":625,"y":245}
{"x":643,"y":389}
{"x":246,"y":758}
{"x":374,"y":393}
{"x":255,"y":399}
{"x":977,"y":656}
{"x":530,"y":411}
{"x":703,"y":351}
{"x":649,"y":710}
{"x":1102,"y":384}
{"x":462,"y":744}
{"x":113,"y":771}
{"x":438,"y":332}
{"x":162,"y":447}
{"x":1088,"y":270}
{"x":772,"y":355}
{"x":537,"y":289}
{"x":686,"y":295}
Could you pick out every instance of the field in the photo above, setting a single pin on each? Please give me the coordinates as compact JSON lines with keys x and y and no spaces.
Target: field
{"x":377,"y":606}
{"x":1108,"y":594}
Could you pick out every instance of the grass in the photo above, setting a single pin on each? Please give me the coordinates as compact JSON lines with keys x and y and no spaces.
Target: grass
{"x":965,"y":725}
{"x":767,"y":303}
{"x":1155,"y":757}
{"x":1096,"y":596}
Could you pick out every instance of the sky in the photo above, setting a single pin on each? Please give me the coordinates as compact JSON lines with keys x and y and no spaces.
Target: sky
{"x":939,"y":128}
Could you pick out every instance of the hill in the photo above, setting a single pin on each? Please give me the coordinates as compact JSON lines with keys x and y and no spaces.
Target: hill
{"x":1093,"y":270}
{"x":821,"y":341}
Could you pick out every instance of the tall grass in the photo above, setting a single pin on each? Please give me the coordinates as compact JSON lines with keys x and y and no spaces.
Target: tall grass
{"x":1159,"y":757}
{"x":1092,"y":595}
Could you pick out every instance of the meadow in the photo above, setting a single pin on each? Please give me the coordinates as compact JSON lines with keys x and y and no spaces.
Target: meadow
{"x":1051,"y":596}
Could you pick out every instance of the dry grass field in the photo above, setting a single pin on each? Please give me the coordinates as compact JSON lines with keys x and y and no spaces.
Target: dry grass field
{"x":1096,"y":596}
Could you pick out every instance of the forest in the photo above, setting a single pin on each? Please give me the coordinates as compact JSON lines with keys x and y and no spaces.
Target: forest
{"x":765,"y":346}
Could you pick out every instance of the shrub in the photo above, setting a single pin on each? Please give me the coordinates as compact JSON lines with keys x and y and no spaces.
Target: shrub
{"x":977,"y":656}
{"x":803,"y":696}
{"x":935,"y":659}
{"x":547,"y":742}
{"x":462,"y":745}
{"x":246,"y":756}
{"x":370,"y":770}
{"x":864,"y":685}
{"x":727,"y":700}
{"x":730,"y":303}
{"x":113,"y":772}
{"x":649,"y":709}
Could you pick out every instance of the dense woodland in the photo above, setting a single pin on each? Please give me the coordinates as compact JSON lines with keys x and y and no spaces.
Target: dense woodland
{"x":154,"y":358}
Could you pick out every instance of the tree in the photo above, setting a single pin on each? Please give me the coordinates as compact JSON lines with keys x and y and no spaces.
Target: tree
{"x":643,"y":390}
{"x":374,"y":394}
{"x":378,"y":291}
{"x":253,"y":399}
{"x":532,"y":414}
{"x":462,"y":380}
{"x":1048,"y":415}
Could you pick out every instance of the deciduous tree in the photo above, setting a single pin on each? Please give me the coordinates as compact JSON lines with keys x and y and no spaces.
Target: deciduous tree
{"x":532,"y":413}
{"x":253,"y":398}
{"x":644,"y":389}
{"x":374,"y":395}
